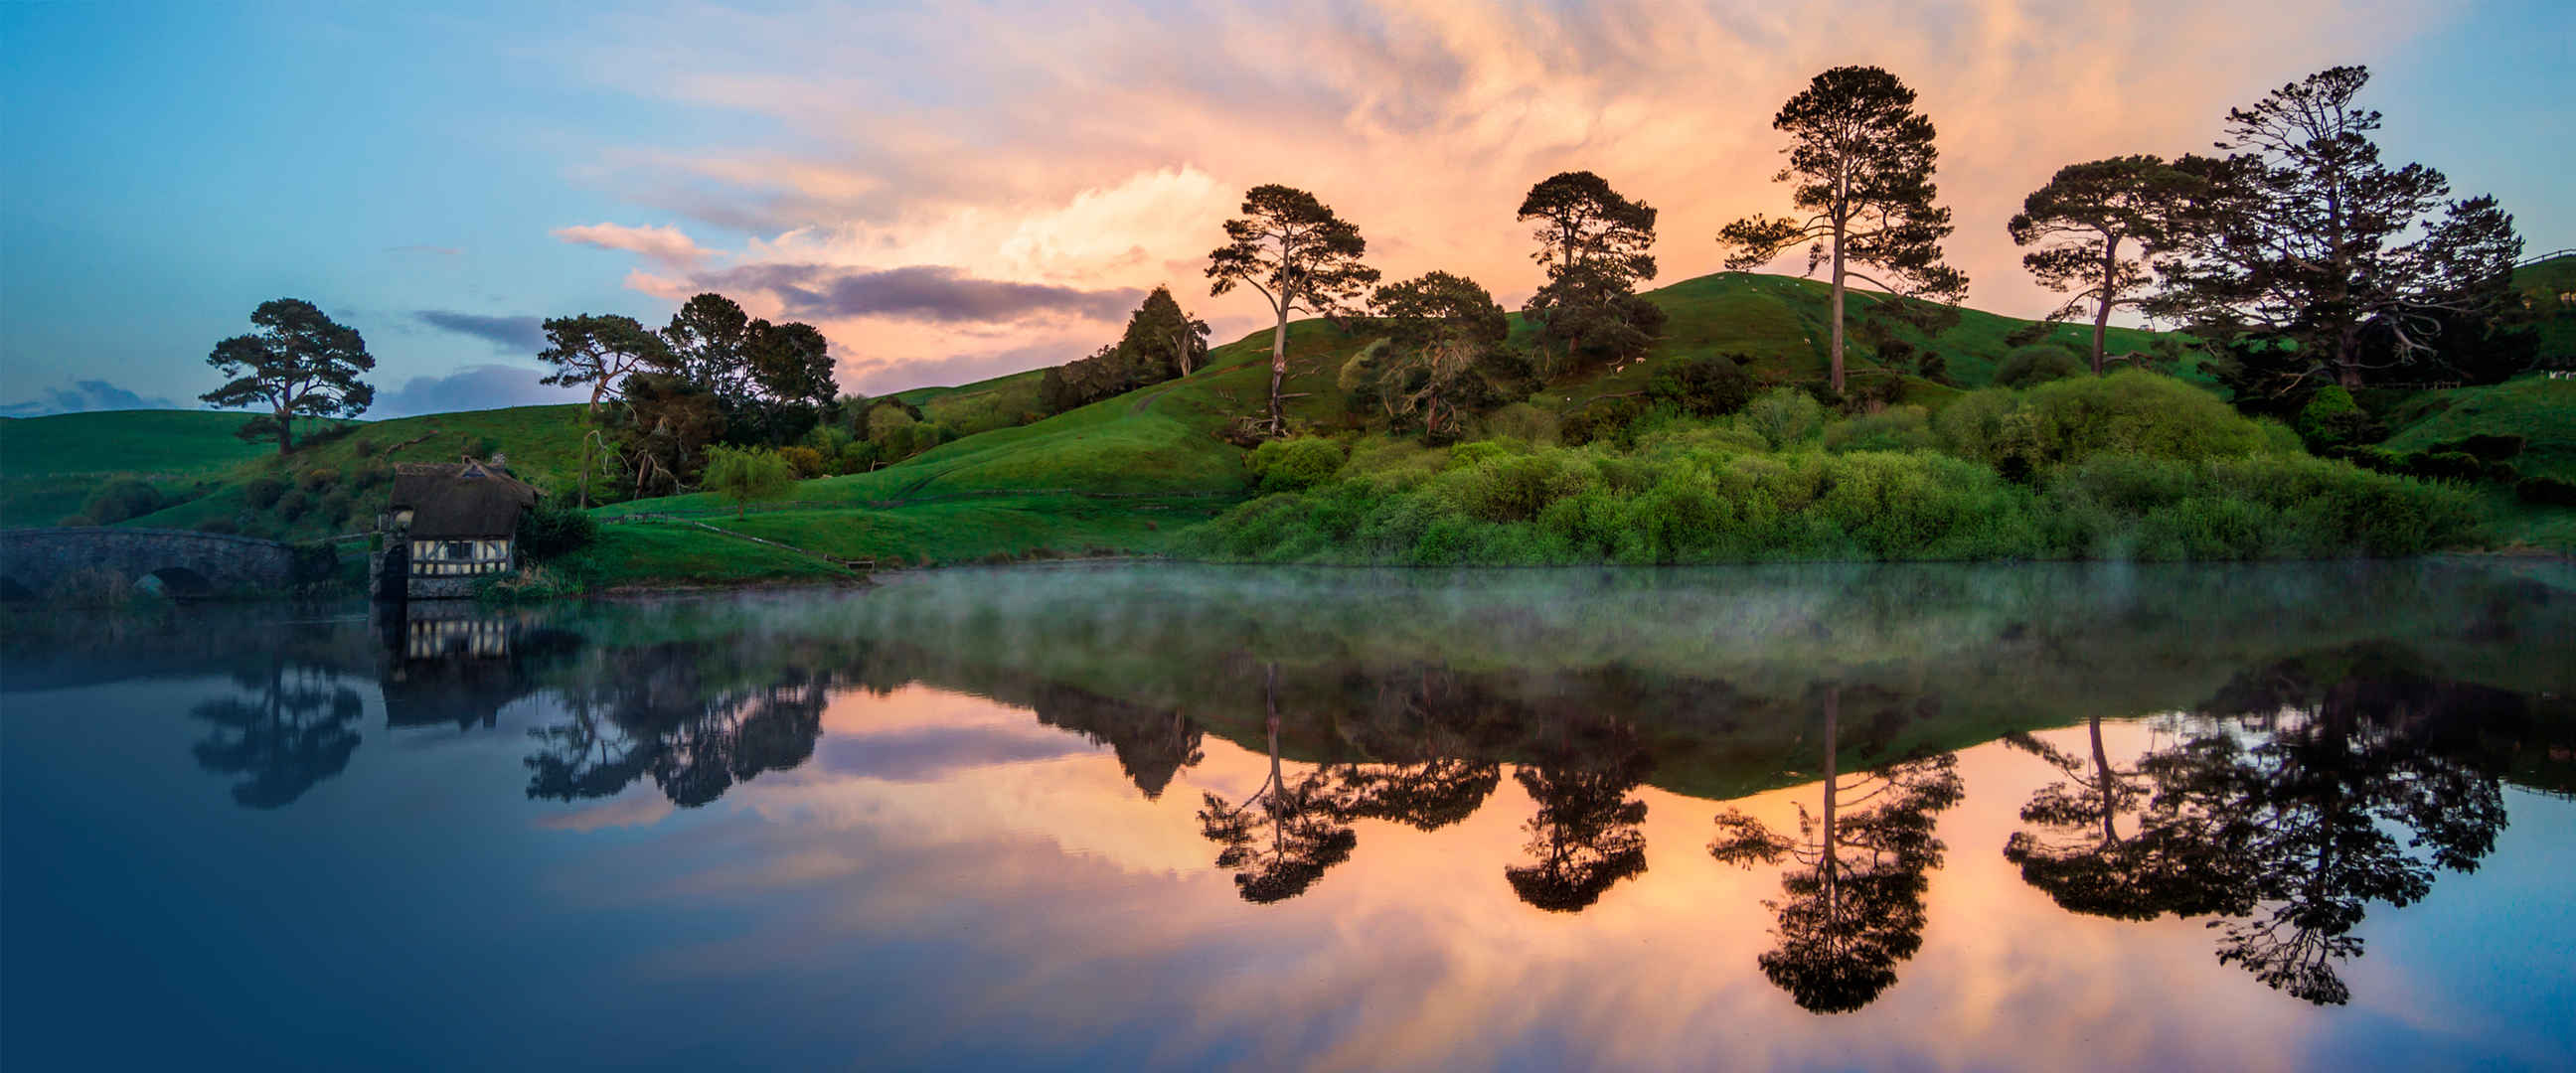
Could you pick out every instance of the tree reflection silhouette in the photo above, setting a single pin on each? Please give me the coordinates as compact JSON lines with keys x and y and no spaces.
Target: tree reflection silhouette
{"x":652,"y":716}
{"x":1854,"y":895}
{"x":1307,"y":834}
{"x":292,"y":733}
{"x":1584,"y":836}
{"x":2075,"y":851}
{"x":2347,"y":794}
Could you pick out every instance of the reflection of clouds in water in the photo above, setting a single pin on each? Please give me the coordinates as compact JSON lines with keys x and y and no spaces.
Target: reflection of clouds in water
{"x":1414,"y":954}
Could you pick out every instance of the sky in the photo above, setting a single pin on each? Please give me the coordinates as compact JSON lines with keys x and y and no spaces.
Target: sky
{"x":957,"y":191}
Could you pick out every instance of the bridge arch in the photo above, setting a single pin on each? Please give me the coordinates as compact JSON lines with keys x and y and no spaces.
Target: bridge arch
{"x":182,"y":562}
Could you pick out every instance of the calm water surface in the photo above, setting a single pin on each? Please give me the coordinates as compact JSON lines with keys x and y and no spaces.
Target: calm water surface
{"x":2287,"y":817}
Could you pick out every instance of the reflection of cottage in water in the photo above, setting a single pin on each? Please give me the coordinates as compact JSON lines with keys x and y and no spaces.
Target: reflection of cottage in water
{"x":449,"y":526}
{"x":451,"y":662}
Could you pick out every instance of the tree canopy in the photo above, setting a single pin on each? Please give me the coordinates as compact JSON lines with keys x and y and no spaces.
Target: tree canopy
{"x":299,"y":363}
{"x":2088,"y":212}
{"x":2318,"y":261}
{"x":1292,"y":250}
{"x":1861,"y":159}
{"x":1593,"y":242}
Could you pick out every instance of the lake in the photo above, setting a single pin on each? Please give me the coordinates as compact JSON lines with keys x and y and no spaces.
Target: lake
{"x":2301,"y":816}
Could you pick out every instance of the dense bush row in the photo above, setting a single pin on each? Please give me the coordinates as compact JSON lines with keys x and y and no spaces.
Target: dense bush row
{"x":2127,"y":466}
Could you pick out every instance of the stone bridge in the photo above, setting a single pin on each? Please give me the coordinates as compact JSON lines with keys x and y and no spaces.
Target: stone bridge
{"x":184,"y":563}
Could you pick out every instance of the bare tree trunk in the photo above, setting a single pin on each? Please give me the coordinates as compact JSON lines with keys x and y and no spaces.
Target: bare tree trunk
{"x":1833,"y":713}
{"x":1279,"y":372}
{"x":2108,"y":783}
{"x":285,"y":430}
{"x":2102,"y":308}
{"x":1838,"y":311}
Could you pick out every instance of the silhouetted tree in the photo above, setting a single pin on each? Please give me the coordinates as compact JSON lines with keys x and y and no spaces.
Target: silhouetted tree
{"x":651,"y":714}
{"x":1862,"y":159}
{"x":1164,"y":340}
{"x":2346,"y":801}
{"x":2319,"y":260}
{"x":1584,"y":838}
{"x":298,"y":364}
{"x":1299,"y":256}
{"x":2076,"y":852}
{"x":1441,"y":357}
{"x":291,"y":734}
{"x":600,"y":352}
{"x":1307,"y":834}
{"x":1593,"y":241}
{"x":2085,"y":216}
{"x":1854,"y":893}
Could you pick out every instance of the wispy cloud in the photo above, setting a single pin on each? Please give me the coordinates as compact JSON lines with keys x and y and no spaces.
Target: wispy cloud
{"x":1099,"y":149}
{"x":511,"y":334}
{"x":665,"y":245}
{"x":84,"y":396}
{"x":918,"y":292}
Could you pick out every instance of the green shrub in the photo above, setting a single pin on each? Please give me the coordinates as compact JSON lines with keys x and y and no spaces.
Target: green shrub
{"x":552,"y":531}
{"x":806,"y":461}
{"x":317,"y":480}
{"x":2037,"y":363}
{"x":2141,"y":413}
{"x":1602,"y":421}
{"x":336,"y":507}
{"x":2331,"y":419}
{"x":1707,"y":386}
{"x":294,"y":504}
{"x":1294,"y":463}
{"x":1902,"y":428}
{"x":743,"y":475}
{"x":119,"y":500}
{"x":1783,"y":416}
{"x":1524,"y":422}
{"x":263,"y":492}
{"x":2549,"y":490}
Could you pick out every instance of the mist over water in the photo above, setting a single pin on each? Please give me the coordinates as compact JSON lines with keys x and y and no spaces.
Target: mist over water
{"x":2280,"y":816}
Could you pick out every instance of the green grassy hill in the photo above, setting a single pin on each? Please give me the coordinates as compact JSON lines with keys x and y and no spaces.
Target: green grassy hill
{"x":1122,"y":475}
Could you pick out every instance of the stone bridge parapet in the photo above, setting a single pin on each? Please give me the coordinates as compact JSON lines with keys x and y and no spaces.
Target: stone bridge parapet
{"x":33,"y":559}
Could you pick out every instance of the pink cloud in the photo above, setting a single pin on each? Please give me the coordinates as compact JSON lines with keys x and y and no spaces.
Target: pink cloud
{"x":665,"y":245}
{"x":1100,"y":149}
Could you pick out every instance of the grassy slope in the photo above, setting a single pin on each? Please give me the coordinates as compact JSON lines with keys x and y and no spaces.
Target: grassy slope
{"x":542,"y":443}
{"x":49,"y":465}
{"x":2544,"y":286}
{"x":2540,"y":410}
{"x":1001,"y":402}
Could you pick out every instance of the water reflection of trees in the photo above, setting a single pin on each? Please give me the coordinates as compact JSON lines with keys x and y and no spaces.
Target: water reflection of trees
{"x":2313,"y":788}
{"x":1282,"y":837}
{"x":1585,"y":835}
{"x":288,"y":734}
{"x":654,"y":714}
{"x":1853,"y":894}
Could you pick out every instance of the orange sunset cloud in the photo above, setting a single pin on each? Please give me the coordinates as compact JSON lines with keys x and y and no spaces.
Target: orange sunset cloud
{"x":1092,"y":154}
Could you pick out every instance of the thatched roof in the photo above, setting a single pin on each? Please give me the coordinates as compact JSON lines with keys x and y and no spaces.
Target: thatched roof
{"x":461,"y":500}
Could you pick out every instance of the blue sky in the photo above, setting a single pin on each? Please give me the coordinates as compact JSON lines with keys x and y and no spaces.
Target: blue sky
{"x":969,"y":187}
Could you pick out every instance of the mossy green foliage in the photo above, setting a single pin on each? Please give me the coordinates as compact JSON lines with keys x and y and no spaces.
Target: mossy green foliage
{"x":1299,"y":462}
{"x":2331,"y":419}
{"x":2129,"y":466}
{"x":2037,"y":363}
